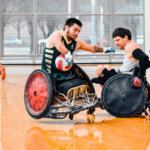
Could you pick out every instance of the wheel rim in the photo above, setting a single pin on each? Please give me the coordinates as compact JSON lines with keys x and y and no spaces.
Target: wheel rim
{"x":36,"y":93}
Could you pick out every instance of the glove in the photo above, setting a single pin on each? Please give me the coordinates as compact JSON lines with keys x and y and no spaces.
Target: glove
{"x":68,"y":57}
{"x":136,"y":82}
{"x":109,"y":50}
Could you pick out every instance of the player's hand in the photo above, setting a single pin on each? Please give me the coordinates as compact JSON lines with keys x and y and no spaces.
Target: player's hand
{"x":2,"y":72}
{"x":111,"y":50}
{"x":136,"y":82}
{"x":68,"y":57}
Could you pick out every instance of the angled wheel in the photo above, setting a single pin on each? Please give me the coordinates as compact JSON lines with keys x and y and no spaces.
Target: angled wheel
{"x":121,"y":99}
{"x":38,"y":93}
{"x":90,"y":118}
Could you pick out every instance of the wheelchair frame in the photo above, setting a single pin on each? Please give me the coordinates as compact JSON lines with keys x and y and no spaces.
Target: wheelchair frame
{"x":43,"y":100}
{"x":58,"y":105}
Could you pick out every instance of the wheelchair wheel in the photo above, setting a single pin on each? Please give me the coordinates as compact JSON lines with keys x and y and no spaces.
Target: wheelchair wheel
{"x":121,"y":99}
{"x":38,"y":93}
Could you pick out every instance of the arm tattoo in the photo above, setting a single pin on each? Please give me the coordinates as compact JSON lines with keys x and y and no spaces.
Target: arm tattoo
{"x":98,"y":48}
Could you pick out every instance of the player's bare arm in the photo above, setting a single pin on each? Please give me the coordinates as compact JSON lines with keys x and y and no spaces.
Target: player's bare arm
{"x":55,"y":40}
{"x":88,"y":47}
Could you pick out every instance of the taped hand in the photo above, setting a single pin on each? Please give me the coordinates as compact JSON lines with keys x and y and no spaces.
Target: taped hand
{"x":68,"y":57}
{"x":111,"y":50}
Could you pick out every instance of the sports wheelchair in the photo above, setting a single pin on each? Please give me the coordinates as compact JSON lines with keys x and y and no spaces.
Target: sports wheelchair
{"x":47,"y":97}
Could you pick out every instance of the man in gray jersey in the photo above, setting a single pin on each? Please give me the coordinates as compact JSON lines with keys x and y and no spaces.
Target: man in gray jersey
{"x":134,"y":57}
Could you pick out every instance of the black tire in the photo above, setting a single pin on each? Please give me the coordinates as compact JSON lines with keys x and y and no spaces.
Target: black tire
{"x":38,"y":94}
{"x":121,"y":99}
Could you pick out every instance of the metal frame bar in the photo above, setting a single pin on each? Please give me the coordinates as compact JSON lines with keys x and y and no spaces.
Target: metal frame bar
{"x":34,"y":30}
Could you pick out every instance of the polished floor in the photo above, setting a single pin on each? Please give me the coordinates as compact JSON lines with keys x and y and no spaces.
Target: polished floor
{"x":18,"y":131}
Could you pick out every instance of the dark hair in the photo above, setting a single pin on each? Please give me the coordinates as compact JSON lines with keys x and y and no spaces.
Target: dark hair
{"x":70,"y":22}
{"x":122,"y":32}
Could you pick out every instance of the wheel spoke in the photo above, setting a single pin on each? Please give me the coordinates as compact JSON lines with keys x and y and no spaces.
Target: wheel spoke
{"x":38,"y":93}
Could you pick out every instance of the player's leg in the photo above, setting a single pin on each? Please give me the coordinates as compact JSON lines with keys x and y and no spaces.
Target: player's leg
{"x":103,"y":73}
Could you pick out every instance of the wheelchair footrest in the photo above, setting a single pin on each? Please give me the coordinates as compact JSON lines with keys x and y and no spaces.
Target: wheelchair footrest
{"x":60,"y":111}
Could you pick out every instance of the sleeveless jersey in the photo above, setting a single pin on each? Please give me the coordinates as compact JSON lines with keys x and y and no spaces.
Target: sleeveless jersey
{"x":128,"y":65}
{"x":50,"y":54}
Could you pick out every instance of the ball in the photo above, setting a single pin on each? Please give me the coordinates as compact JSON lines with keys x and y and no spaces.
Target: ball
{"x":62,"y":64}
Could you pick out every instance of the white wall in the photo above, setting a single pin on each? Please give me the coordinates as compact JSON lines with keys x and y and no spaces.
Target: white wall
{"x":147,"y":27}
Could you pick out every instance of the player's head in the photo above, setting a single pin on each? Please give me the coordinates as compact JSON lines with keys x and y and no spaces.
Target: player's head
{"x":72,"y":27}
{"x":71,"y":21}
{"x":122,"y":32}
{"x":121,"y":37}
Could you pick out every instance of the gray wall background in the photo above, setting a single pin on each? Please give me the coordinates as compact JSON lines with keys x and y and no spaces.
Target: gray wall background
{"x":25,"y":26}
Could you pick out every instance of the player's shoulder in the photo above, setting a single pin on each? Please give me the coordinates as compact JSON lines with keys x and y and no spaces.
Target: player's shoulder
{"x":80,"y":41}
{"x":55,"y":35}
{"x":132,"y":46}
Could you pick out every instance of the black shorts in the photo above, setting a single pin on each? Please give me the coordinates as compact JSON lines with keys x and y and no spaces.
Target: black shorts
{"x":106,"y":74}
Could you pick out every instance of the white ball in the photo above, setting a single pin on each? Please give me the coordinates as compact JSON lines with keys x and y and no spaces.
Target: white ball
{"x":62,"y":64}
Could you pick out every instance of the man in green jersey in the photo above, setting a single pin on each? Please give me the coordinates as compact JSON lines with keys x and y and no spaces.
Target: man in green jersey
{"x":65,"y":42}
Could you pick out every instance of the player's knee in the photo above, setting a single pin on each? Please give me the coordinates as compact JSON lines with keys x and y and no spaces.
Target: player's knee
{"x":99,"y":70}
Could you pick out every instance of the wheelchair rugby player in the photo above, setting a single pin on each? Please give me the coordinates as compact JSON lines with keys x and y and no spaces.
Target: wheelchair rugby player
{"x":126,"y":91}
{"x":55,"y":91}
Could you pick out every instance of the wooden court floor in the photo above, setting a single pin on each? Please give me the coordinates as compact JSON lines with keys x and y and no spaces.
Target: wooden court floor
{"x":18,"y":131}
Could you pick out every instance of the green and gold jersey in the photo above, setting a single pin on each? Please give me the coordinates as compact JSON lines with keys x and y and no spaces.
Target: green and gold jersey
{"x":50,"y":54}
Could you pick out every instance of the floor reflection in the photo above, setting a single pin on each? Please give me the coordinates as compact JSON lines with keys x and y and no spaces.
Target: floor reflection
{"x":21,"y":132}
{"x":128,"y":133}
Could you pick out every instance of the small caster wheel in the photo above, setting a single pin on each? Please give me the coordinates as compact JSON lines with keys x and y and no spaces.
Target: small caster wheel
{"x":90,"y":118}
{"x":71,"y":116}
{"x":148,"y":115}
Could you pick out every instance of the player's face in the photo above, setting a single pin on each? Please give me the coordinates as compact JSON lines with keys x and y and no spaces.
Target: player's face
{"x":120,"y":42}
{"x":73,"y":32}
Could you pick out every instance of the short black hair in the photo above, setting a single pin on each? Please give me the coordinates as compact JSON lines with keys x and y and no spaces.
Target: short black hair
{"x":71,"y":21}
{"x":122,"y":32}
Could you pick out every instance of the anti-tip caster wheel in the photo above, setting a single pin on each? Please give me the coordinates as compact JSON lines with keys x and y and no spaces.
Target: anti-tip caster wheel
{"x":90,"y":118}
{"x":71,"y":116}
{"x":148,"y":116}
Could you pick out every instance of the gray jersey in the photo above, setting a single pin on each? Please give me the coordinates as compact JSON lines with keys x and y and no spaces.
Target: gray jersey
{"x":128,"y":65}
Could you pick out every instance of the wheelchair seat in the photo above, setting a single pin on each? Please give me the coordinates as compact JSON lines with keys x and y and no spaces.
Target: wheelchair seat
{"x":71,"y":83}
